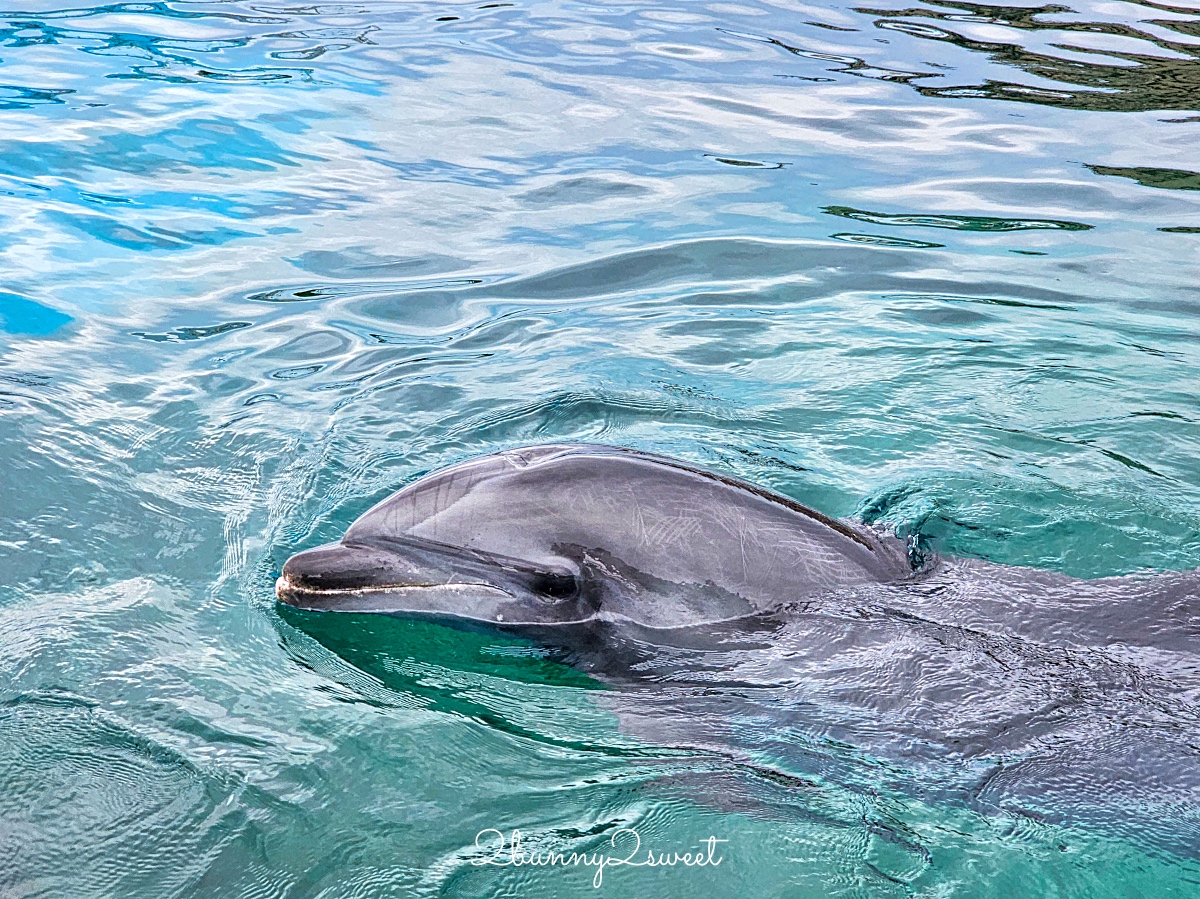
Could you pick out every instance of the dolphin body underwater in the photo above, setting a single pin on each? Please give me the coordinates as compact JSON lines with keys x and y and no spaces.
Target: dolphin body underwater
{"x":732,"y":618}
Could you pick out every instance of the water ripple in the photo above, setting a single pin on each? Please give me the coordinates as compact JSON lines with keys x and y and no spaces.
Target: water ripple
{"x":933,"y":266}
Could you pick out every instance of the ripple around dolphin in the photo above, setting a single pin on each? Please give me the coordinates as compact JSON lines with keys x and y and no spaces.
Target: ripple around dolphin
{"x":100,"y":809}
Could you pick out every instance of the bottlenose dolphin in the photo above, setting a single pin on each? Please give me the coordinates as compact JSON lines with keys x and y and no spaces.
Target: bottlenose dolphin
{"x":733,"y":617}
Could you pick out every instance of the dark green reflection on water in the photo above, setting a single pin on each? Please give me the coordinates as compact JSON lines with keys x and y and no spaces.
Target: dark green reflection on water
{"x":379,"y":644}
{"x":1135,"y":82}
{"x":1166,"y":179}
{"x":954,"y":222}
{"x":879,"y":240}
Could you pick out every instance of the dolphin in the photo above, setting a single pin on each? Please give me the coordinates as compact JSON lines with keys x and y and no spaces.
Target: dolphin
{"x":735,"y":619}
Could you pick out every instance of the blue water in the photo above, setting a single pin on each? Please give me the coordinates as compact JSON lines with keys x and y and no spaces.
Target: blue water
{"x":934,"y":266}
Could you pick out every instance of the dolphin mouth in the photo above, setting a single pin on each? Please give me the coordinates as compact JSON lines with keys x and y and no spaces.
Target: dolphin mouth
{"x":415,"y":600}
{"x":415,"y":578}
{"x":468,"y":606}
{"x":288,"y":590}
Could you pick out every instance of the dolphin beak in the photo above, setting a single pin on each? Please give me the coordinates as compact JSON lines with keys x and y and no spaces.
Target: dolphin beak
{"x":405,"y":580}
{"x":359,"y":577}
{"x":337,"y":568}
{"x":416,"y":578}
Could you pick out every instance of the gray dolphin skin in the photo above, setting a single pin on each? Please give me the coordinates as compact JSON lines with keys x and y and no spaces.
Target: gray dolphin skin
{"x":566,"y":534}
{"x":735,"y":620}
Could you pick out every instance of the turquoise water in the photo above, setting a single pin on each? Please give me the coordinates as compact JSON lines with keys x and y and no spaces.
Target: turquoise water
{"x":936,"y":266}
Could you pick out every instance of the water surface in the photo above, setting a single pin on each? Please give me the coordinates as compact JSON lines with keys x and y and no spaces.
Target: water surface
{"x":931,"y":265}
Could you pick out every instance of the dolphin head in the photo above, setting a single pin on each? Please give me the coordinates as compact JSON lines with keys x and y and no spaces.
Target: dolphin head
{"x":417,"y":578}
{"x":560,"y":535}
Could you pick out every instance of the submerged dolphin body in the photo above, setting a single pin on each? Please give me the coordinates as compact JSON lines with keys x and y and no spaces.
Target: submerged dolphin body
{"x":736,"y":619}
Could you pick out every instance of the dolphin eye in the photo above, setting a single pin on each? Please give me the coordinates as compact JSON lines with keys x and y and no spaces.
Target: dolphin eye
{"x":555,"y":586}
